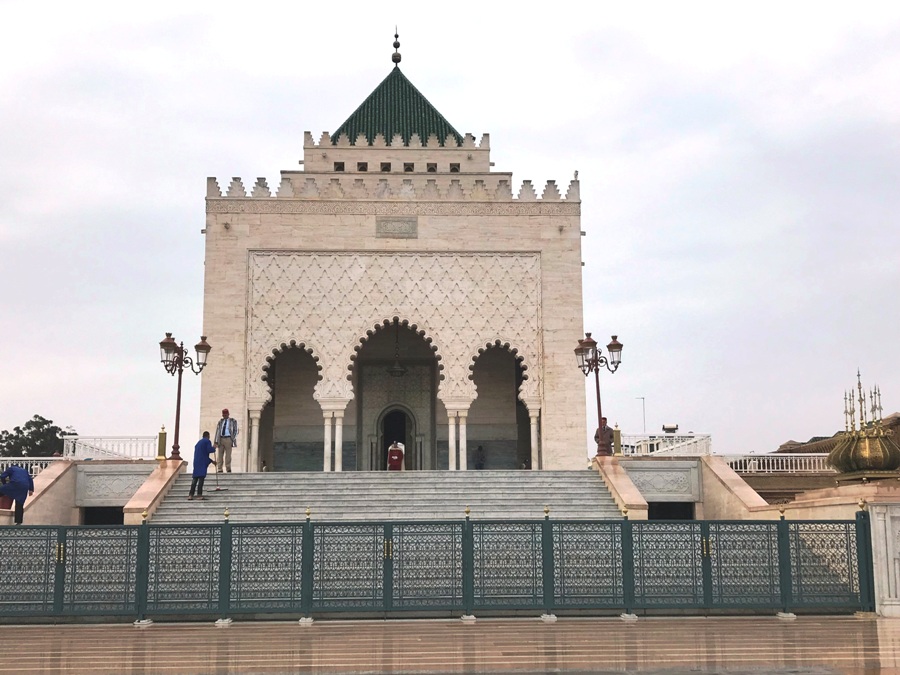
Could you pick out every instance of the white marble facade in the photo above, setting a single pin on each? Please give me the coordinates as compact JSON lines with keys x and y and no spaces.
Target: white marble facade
{"x":348,"y":271}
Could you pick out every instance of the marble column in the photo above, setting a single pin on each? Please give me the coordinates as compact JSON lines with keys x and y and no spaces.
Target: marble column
{"x":451,"y":438}
{"x":254,"y":440}
{"x":339,"y":440}
{"x":535,"y":455}
{"x":463,"y":459}
{"x":327,"y":457}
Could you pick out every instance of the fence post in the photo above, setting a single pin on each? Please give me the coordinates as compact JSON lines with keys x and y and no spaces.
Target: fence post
{"x":785,"y":573}
{"x":468,"y":569}
{"x":864,"y":558}
{"x":225,"y":546}
{"x":627,"y":531}
{"x":142,"y":573}
{"x":548,"y":566}
{"x":307,"y":565}
{"x":161,"y":445}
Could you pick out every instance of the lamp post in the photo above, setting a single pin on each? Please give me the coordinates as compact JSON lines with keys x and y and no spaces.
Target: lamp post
{"x":175,"y":359}
{"x":590,"y":360}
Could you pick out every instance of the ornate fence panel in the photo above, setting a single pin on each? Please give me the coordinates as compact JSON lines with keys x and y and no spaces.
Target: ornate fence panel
{"x":349,"y":566}
{"x":824,"y":564}
{"x":587,"y":564}
{"x":426,"y":565}
{"x":183,"y":569}
{"x":266,"y":568}
{"x":101,"y":567}
{"x":30,"y":571}
{"x":668,"y":565}
{"x":744,"y":564}
{"x":507,"y":565}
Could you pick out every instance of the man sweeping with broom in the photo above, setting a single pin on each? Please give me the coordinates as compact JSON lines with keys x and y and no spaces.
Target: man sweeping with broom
{"x":202,"y":460}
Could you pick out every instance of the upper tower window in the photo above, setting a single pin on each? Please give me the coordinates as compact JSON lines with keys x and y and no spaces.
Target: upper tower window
{"x":362,"y":166}
{"x":338,"y":166}
{"x":409,"y":167}
{"x":385,"y":167}
{"x":431,"y":167}
{"x":454,"y":168}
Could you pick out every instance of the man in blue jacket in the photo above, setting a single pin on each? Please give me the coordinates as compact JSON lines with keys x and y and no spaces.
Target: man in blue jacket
{"x":18,"y":486}
{"x":202,"y":460}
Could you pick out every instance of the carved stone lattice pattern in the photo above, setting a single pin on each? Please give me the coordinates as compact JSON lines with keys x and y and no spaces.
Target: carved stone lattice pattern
{"x":508,"y":564}
{"x":745,"y":556}
{"x":579,"y":551}
{"x":427,"y":565}
{"x":329,"y":301}
{"x":100,"y":570}
{"x":265,"y":566}
{"x":348,"y":567}
{"x":662,"y":482}
{"x":104,"y":489}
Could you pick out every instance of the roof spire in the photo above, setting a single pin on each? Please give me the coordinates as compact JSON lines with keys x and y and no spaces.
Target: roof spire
{"x":395,"y":57}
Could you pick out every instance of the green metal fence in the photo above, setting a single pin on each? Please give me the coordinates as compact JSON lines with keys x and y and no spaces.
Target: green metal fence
{"x":454,"y":567}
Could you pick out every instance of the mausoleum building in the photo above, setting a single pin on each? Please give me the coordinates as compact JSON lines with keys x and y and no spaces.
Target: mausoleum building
{"x":396,"y":289}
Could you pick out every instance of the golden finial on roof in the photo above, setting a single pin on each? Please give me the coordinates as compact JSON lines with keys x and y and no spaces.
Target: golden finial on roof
{"x":226,"y":513}
{"x":467,"y":512}
{"x":308,"y":513}
{"x":395,"y":57}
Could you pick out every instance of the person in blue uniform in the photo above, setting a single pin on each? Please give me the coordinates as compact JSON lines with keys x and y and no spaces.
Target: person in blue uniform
{"x":18,"y":486}
{"x":202,"y":460}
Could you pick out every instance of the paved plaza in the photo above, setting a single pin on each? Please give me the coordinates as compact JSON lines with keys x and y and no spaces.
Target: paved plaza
{"x":807,"y":645}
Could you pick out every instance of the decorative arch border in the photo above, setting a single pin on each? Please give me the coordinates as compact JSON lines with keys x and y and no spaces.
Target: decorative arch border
{"x":271,"y":353}
{"x":528,"y":384}
{"x":384,"y":324}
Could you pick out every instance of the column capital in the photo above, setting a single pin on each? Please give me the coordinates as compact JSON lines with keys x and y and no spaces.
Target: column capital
{"x":456,"y":405}
{"x":533,"y":403}
{"x":255,"y":415}
{"x":334,"y":404}
{"x":255,"y":405}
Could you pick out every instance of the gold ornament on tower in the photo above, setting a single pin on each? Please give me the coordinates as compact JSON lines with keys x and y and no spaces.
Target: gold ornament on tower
{"x":866,"y":452}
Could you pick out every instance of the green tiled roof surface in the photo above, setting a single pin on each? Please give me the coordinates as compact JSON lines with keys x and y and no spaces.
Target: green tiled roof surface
{"x":396,"y":107}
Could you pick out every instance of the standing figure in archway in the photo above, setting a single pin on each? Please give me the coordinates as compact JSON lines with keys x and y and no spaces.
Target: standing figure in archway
{"x":395,"y":457}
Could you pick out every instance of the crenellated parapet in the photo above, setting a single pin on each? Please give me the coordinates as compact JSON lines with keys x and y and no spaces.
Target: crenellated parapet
{"x":379,"y":141}
{"x":392,"y":155}
{"x":380,"y":187}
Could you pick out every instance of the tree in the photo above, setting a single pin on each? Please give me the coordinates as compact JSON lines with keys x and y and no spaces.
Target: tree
{"x":38,"y":437}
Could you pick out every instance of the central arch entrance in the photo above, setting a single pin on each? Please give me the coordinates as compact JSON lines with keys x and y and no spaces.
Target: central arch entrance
{"x":395,"y":375}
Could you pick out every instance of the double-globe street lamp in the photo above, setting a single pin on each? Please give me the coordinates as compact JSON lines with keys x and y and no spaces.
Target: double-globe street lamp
{"x":590,"y":360}
{"x":175,"y":359}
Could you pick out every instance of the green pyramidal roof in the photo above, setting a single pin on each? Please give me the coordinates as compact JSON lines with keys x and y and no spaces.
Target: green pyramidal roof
{"x":396,"y":107}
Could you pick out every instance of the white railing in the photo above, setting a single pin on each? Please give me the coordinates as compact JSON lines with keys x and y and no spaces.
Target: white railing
{"x":110,"y":447}
{"x":34,"y":465}
{"x":692,"y":445}
{"x":780,"y":463}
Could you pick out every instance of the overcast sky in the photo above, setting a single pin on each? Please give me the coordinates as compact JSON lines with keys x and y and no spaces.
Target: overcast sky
{"x":739,"y":167}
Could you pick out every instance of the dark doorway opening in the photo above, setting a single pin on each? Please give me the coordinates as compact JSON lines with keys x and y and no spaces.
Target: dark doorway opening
{"x":670,"y":511}
{"x":103,"y":515}
{"x":394,"y":430}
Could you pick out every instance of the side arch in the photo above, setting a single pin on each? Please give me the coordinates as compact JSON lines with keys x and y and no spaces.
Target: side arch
{"x":260,"y":384}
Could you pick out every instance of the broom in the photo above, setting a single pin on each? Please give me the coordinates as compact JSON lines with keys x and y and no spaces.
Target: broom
{"x":218,"y":489}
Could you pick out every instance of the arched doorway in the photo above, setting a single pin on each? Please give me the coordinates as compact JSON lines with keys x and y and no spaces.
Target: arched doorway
{"x":498,"y":421}
{"x":291,"y":434}
{"x":395,"y":375}
{"x":398,"y":425}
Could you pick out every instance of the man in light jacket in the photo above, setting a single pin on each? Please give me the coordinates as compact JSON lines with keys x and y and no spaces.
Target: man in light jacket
{"x":226,"y":439}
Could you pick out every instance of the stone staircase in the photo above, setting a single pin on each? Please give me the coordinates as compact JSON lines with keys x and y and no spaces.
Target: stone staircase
{"x":381,"y":495}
